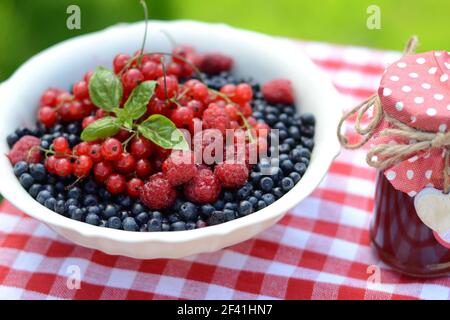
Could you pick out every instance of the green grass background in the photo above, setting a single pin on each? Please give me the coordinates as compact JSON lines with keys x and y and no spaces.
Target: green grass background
{"x":29,"y":26}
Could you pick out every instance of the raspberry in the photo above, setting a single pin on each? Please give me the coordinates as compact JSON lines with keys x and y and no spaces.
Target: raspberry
{"x":216,"y":117}
{"x":26,"y":149}
{"x":231,"y":175}
{"x":203,"y":188}
{"x":278,"y":91}
{"x":158,"y":193}
{"x":215,"y":63}
{"x":179,"y":167}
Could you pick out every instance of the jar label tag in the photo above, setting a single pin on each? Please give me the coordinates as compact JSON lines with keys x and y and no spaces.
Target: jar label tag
{"x":433,"y":208}
{"x":443,"y":238}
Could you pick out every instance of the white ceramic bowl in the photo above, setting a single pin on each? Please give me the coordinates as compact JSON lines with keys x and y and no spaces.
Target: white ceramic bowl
{"x":256,"y":55}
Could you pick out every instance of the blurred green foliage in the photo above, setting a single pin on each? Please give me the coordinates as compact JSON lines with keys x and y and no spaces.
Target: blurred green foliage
{"x":28,"y":26}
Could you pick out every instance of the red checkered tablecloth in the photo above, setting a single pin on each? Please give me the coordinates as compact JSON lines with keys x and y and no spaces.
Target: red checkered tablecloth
{"x":320,"y":250}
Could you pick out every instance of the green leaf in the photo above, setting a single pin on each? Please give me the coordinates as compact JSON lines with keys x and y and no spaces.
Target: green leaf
{"x":136,"y":105}
{"x":105,"y":89}
{"x":103,"y":128}
{"x":163,"y":132}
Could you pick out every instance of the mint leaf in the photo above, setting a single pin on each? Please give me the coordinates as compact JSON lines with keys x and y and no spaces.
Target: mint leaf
{"x":105,"y":89}
{"x":136,"y":105}
{"x":103,"y":128}
{"x":163,"y":132}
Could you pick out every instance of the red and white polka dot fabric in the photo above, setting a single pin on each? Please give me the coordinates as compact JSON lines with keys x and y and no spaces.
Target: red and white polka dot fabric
{"x":416,"y":91}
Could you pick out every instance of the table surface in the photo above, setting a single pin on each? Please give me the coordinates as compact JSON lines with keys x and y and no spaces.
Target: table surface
{"x":319,"y":250}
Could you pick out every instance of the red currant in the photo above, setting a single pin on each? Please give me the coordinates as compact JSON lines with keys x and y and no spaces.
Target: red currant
{"x":87,"y":121}
{"x":100,"y":113}
{"x":141,"y":148}
{"x":116,"y":183}
{"x":232,"y":112}
{"x":150,"y":70}
{"x":103,"y":170}
{"x":82,"y":166}
{"x":95,"y":152}
{"x":170,"y":83}
{"x":262,"y":129}
{"x":158,"y":106}
{"x":122,"y":135}
{"x":111,"y":149}
{"x":81,"y":90}
{"x":49,"y":98}
{"x":82,"y":149}
{"x":64,"y":112}
{"x":247,"y":110}
{"x":61,"y":145}
{"x":131,"y":79}
{"x":63,"y":167}
{"x":174,"y":69}
{"x":197,"y":107}
{"x":182,"y":116}
{"x":87,"y":76}
{"x":143,"y":168}
{"x":229,"y":90}
{"x":50,"y":163}
{"x":181,"y":53}
{"x":134,"y":187}
{"x":125,"y":164}
{"x":76,"y":110}
{"x":62,"y":97}
{"x":47,"y":116}
{"x":120,"y":61}
{"x":200,"y":91}
{"x":244,"y":93}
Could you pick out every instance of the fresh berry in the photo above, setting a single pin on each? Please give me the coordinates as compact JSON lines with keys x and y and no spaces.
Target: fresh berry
{"x":48,"y":116}
{"x":82,"y":166}
{"x":131,"y":79}
{"x":179,"y":167}
{"x":243,"y":93}
{"x":61,"y":145}
{"x":203,"y":188}
{"x":49,"y":98}
{"x":120,"y":61}
{"x":231,"y":175}
{"x":116,"y":183}
{"x":111,"y":149}
{"x":215,"y":63}
{"x":87,"y":121}
{"x":150,"y":70}
{"x":215,"y":117}
{"x":63,"y":167}
{"x":134,"y":187}
{"x":143,"y":168}
{"x":26,"y":149}
{"x":182,"y":117}
{"x":167,"y":85}
{"x":81,"y":90}
{"x":125,"y":164}
{"x":158,"y":193}
{"x":278,"y":91}
{"x":141,"y":148}
{"x":103,"y":170}
{"x":82,"y":149}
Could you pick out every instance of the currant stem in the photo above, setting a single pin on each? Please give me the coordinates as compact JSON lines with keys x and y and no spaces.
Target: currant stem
{"x":165,"y":79}
{"x":126,"y":142}
{"x":144,"y":5}
{"x":248,"y":127}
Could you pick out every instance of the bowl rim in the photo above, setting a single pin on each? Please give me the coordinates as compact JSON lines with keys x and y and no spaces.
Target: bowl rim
{"x":53,"y":219}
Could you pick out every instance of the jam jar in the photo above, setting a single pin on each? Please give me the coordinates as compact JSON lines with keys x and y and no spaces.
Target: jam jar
{"x":401,"y":239}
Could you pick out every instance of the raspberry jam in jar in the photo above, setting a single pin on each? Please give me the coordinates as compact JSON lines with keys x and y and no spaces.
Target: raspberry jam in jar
{"x":401,"y":239}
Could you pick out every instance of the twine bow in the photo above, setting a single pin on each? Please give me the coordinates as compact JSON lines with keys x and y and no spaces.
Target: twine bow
{"x":386,"y":155}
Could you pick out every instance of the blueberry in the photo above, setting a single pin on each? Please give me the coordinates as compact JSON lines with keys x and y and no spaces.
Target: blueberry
{"x":38,"y":172}
{"x":308,"y":119}
{"x":287,"y":184}
{"x":137,"y":208}
{"x":307,"y":143}
{"x":114,"y":223}
{"x":287,"y":166}
{"x":94,"y":210}
{"x":90,"y":200}
{"x":71,"y":210}
{"x":50,"y":203}
{"x":26,"y":180}
{"x":154,"y":225}
{"x":258,"y":194}
{"x":77,"y":214}
{"x":268,"y":198}
{"x":60,"y":207}
{"x":123,"y":214}
{"x":246,"y":207}
{"x":43,"y":196}
{"x":188,"y":211}
{"x":219,"y":204}
{"x":295,"y":177}
{"x":261,"y":205}
{"x":206,"y":211}
{"x":292,"y":144}
{"x":253,"y":200}
{"x":60,"y":187}
{"x":11,"y":139}
{"x":157,"y":215}
{"x":124,"y":201}
{"x":304,"y":161}
{"x":283,"y":157}
{"x":71,"y":202}
{"x":165,"y":227}
{"x":173,"y":218}
{"x":34,"y":190}
{"x":228,"y":196}
{"x":255,"y":177}
{"x":217,"y":217}
{"x":178,"y":226}
{"x":73,"y":140}
{"x":229,"y":214}
{"x":266,"y":184}
{"x":231,"y":206}
{"x":20,"y":168}
{"x":74,"y":193}
{"x":142,"y":218}
{"x":104,"y":194}
{"x":244,"y":192}
{"x":93,"y":219}
{"x":129,"y":224}
{"x":294,"y":132}
{"x":190,"y":225}
{"x":90,"y":187}
{"x":45,"y":144}
{"x":300,"y":168}
{"x":284,"y":148}
{"x":73,"y":128}
{"x":283,"y":134}
{"x":277,"y":192}
{"x":110,"y":211}
{"x":50,"y":188}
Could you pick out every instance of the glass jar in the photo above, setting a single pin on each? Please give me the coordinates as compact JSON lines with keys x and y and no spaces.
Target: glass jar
{"x":401,"y":239}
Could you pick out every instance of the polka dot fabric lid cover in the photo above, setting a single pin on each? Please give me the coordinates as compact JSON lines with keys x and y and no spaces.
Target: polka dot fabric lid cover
{"x":416,"y":91}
